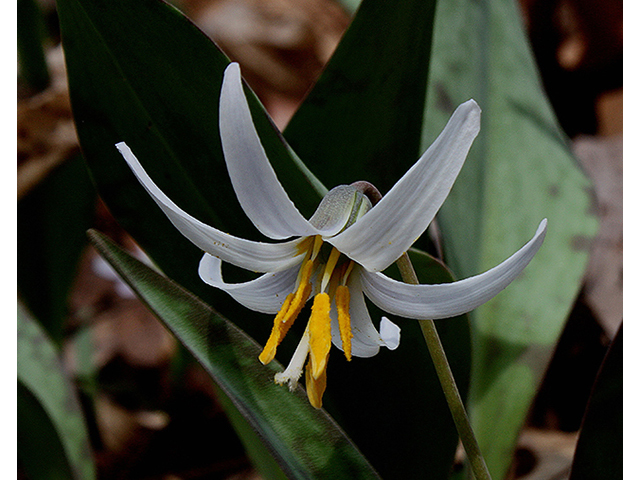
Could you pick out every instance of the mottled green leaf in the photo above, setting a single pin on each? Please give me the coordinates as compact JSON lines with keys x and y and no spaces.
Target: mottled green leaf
{"x":306,"y":442}
{"x":519,"y":171}
{"x":256,"y":450}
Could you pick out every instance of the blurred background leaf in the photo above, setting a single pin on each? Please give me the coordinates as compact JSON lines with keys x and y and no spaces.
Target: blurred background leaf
{"x":52,"y":222}
{"x":599,"y":449}
{"x":30,"y":42}
{"x":305,"y":441}
{"x":53,"y":441}
{"x":519,"y":171}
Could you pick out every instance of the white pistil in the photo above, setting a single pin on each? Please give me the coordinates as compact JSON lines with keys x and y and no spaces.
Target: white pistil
{"x":292,"y":373}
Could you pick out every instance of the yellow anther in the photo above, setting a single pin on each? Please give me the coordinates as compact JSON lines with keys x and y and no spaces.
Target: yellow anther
{"x":344,"y":319}
{"x":289,"y":311}
{"x":315,"y":386}
{"x":304,"y":278}
{"x":320,"y":334}
{"x":278,"y":332}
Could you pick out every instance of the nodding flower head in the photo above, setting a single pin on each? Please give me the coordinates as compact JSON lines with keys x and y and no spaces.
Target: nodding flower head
{"x":336,"y":257}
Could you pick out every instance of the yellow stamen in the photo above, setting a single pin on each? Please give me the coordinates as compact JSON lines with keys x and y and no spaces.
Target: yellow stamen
{"x":328,"y":269}
{"x":346,"y":274}
{"x":305,"y":245}
{"x":277,"y":333}
{"x":289,"y":311}
{"x":304,"y":280}
{"x":317,"y":243}
{"x":320,"y":334}
{"x":315,"y":386}
{"x":344,"y":319}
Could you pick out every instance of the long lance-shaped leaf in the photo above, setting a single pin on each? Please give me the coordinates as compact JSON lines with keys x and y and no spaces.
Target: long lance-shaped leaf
{"x":53,"y":441}
{"x":30,"y":36}
{"x":305,"y":441}
{"x":519,"y":171}
{"x":363,"y":118}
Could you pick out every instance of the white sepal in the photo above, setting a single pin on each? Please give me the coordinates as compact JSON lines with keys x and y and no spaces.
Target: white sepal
{"x":448,"y":299}
{"x":393,"y":225}
{"x":254,"y":256}
{"x":259,"y":192}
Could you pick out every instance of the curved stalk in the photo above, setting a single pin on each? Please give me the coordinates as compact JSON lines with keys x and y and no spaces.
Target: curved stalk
{"x":449,"y":387}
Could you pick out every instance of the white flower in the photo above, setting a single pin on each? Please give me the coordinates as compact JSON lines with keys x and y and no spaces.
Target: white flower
{"x":336,"y":256}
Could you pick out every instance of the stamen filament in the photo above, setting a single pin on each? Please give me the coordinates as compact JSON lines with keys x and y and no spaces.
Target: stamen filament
{"x":317,"y":243}
{"x":345,"y":277}
{"x":344,"y":319}
{"x":289,"y":311}
{"x":329,"y":267}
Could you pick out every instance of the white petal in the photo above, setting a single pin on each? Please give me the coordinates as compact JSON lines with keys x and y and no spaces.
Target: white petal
{"x":265,"y":294}
{"x":259,"y":192}
{"x":366,"y":341}
{"x":254,"y":256}
{"x":395,"y":223}
{"x":449,"y":299}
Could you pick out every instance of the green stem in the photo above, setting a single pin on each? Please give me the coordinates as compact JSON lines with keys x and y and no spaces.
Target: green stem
{"x":478,"y":465}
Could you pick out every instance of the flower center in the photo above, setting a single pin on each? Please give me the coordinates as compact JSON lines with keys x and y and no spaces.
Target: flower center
{"x":324,"y":272}
{"x":331,"y":294}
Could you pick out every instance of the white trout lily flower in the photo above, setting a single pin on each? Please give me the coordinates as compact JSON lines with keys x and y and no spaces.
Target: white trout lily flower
{"x":337,"y":256}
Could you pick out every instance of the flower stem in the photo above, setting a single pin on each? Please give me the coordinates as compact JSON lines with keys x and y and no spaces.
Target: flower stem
{"x":449,"y":387}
